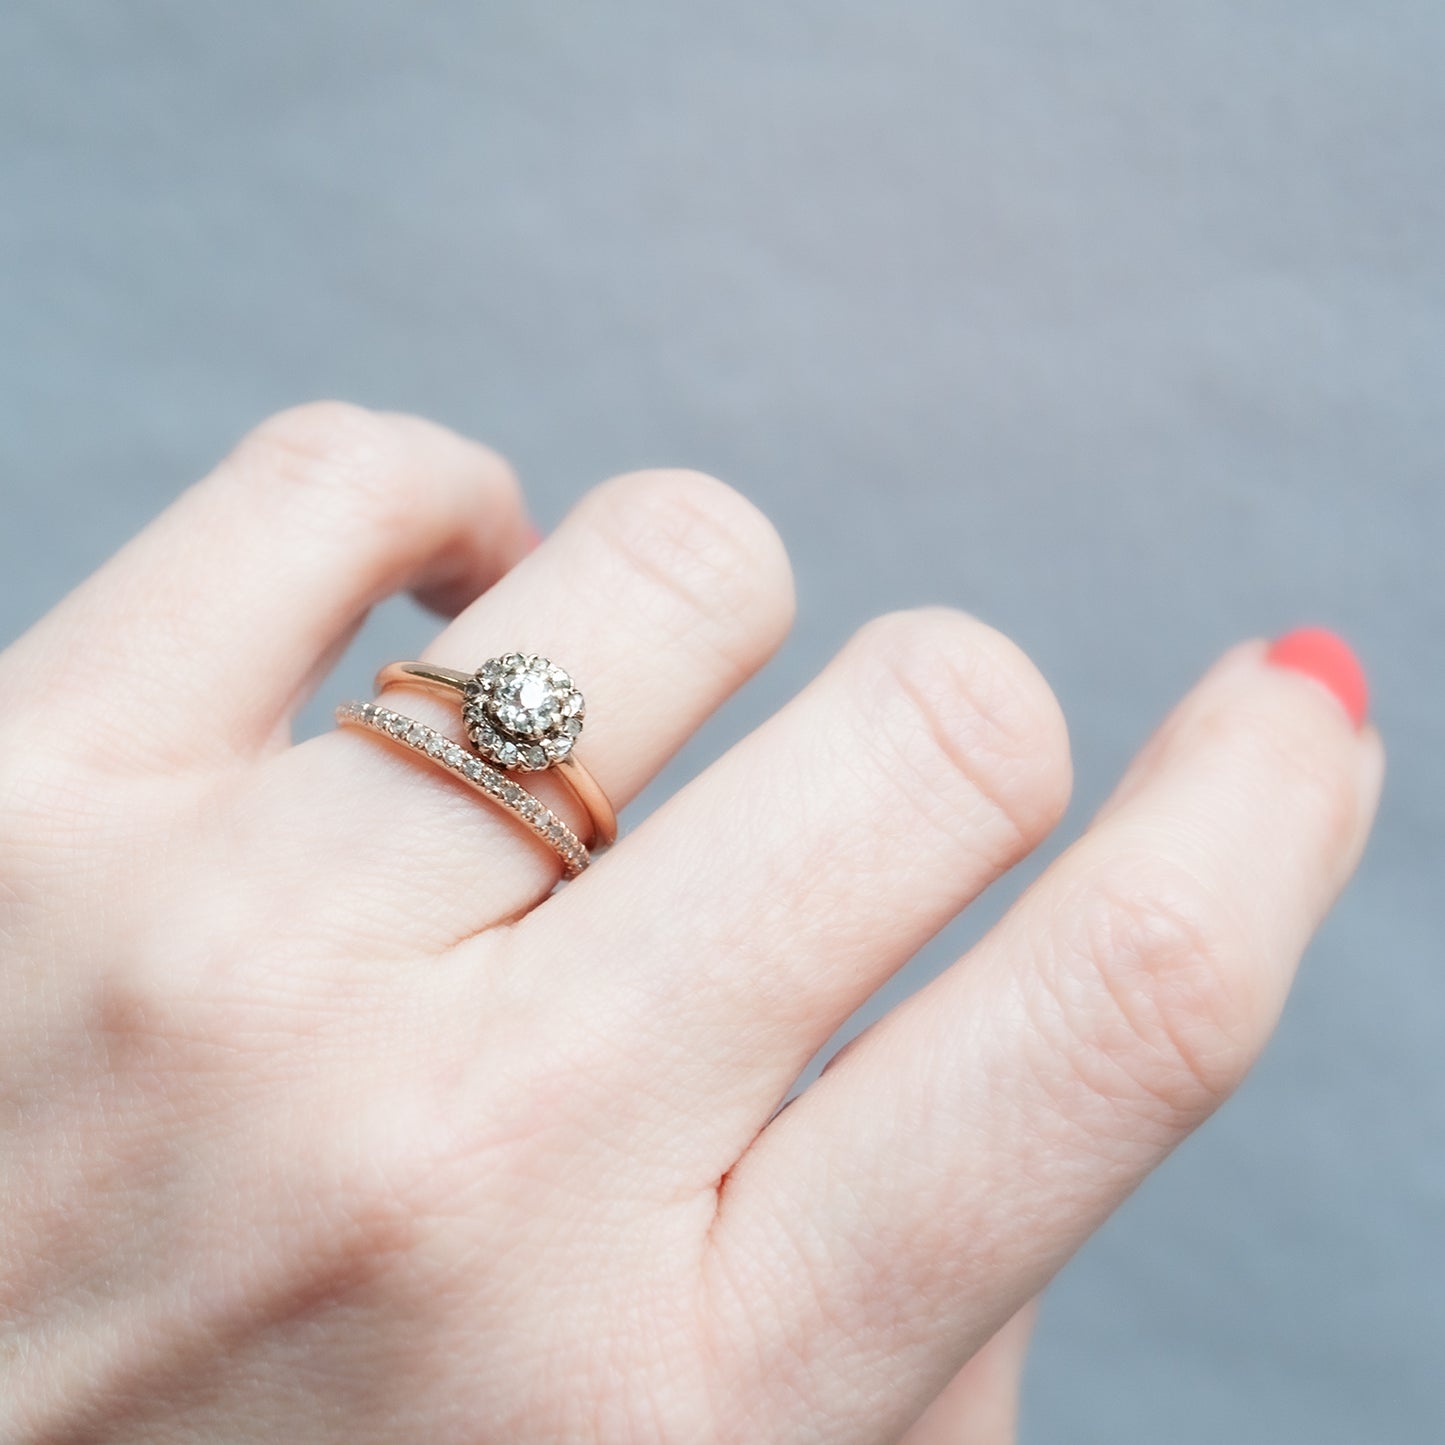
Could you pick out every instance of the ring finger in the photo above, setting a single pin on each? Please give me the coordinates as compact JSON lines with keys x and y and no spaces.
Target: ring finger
{"x":661,"y":592}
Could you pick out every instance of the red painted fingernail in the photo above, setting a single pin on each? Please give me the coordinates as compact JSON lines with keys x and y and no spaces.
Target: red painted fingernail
{"x":1329,"y":659}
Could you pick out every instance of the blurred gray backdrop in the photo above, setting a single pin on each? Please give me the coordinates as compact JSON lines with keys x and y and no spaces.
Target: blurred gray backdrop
{"x":1121,"y":325}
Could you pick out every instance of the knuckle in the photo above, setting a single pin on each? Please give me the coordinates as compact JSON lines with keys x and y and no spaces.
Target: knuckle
{"x":344,"y":466}
{"x":344,"y":1222}
{"x":412,"y":437}
{"x":320,"y":443}
{"x":1149,"y":977}
{"x":147,"y":1028}
{"x":968,"y":717}
{"x":713,"y":555}
{"x":373,"y":1181}
{"x":375,"y":474}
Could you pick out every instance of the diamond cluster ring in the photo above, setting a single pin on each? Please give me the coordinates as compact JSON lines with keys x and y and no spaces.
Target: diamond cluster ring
{"x":523,"y":714}
{"x":522,"y":711}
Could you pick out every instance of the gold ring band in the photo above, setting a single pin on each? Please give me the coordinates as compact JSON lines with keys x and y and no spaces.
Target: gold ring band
{"x":492,"y":696}
{"x":481,"y":776}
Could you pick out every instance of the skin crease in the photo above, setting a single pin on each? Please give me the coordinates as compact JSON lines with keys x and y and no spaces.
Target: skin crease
{"x":323,"y":1117}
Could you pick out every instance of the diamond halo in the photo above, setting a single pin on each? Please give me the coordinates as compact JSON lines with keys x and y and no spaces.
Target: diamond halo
{"x":522,"y":711}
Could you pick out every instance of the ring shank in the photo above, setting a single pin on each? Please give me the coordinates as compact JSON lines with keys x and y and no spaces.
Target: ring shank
{"x":579,"y":782}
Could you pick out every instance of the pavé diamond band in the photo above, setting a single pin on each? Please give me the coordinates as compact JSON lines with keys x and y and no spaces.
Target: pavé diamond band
{"x":524,"y":714}
{"x":476,"y":773}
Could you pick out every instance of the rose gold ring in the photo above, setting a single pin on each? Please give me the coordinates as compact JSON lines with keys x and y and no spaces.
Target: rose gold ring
{"x":482,"y":777}
{"x":523,"y":714}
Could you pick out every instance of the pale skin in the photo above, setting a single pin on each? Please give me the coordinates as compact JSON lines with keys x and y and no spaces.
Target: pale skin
{"x":324,"y":1118}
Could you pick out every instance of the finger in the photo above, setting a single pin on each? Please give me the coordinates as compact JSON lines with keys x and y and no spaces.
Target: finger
{"x":917,"y":1194}
{"x":203,"y":633}
{"x":748,"y":918}
{"x":660,"y":592}
{"x":980,"y":1404}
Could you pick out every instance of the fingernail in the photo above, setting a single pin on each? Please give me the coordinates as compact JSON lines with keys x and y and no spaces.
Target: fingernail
{"x":1329,"y":659}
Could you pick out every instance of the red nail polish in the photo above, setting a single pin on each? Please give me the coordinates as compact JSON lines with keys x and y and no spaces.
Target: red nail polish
{"x":1329,"y":659}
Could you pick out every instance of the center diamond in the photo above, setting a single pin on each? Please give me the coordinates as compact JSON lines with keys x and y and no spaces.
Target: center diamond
{"x":526,"y":703}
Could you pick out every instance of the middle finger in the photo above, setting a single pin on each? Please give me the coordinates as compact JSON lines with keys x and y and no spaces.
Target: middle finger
{"x":808,"y":864}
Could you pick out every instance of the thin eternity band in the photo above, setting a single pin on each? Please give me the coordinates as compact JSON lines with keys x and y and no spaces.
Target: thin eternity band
{"x":477,"y":774}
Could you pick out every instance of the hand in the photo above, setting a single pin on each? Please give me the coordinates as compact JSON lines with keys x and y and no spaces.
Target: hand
{"x":324,"y":1118}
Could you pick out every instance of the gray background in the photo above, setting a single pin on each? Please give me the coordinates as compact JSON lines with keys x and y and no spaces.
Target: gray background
{"x":1119,"y":324}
